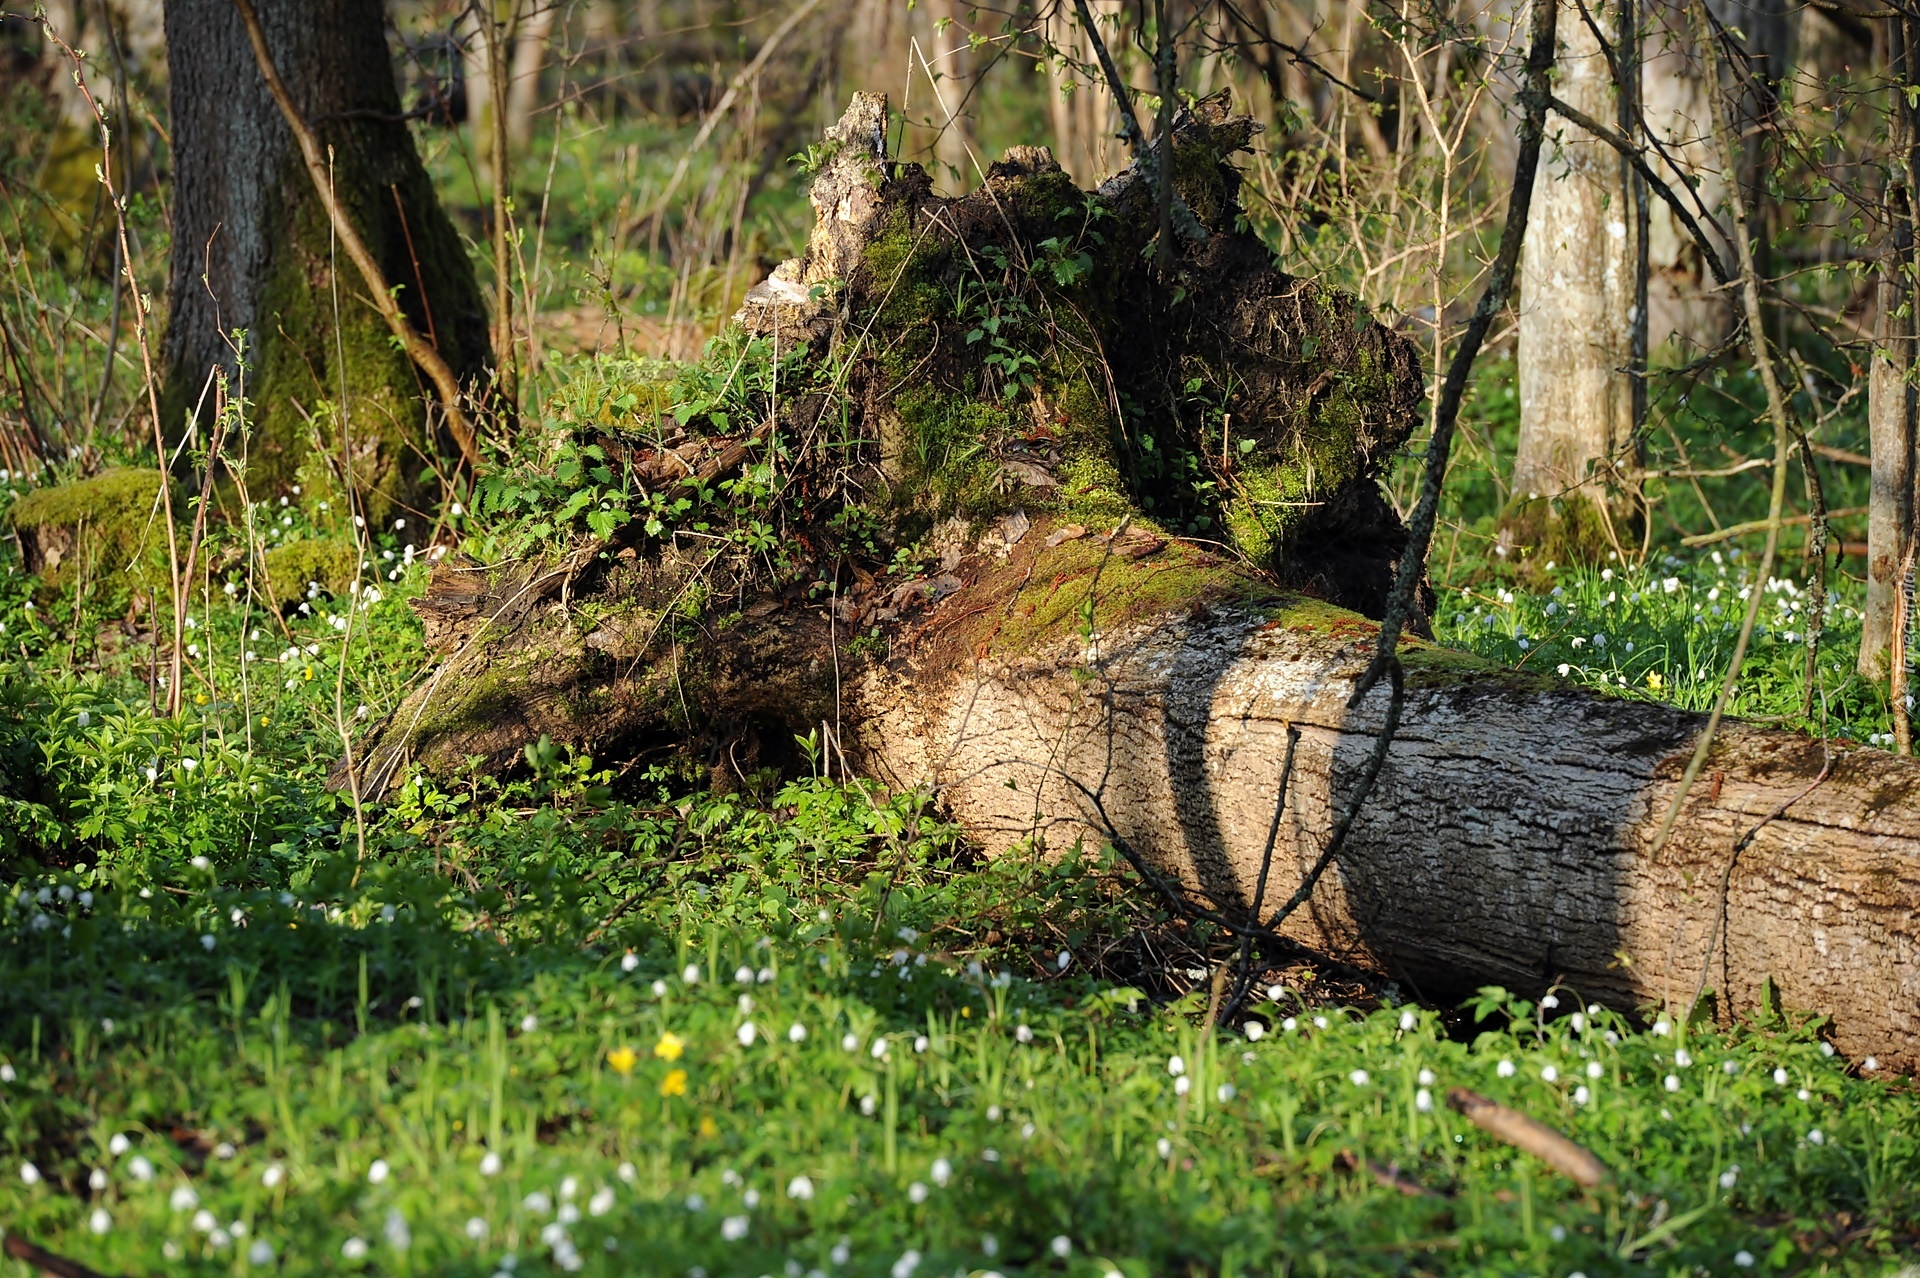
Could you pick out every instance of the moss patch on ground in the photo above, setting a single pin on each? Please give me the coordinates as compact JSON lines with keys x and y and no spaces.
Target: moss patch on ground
{"x":108,"y":528}
{"x":313,"y":565}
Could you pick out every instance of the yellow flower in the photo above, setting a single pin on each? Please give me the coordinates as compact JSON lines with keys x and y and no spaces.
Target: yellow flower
{"x":669,"y":1047}
{"x":199,"y":698}
{"x":308,"y":674}
{"x":265,"y":720}
{"x":966,"y":1011}
{"x":708,"y":1127}
{"x":675,"y":1083}
{"x":622,"y":1059}
{"x":1653,"y":679}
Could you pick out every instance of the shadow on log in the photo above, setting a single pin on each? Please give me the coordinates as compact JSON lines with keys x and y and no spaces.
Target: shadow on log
{"x":1077,"y":545}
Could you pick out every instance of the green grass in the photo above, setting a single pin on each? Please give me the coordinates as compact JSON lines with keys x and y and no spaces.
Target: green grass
{"x":1665,"y":631}
{"x":214,"y":997}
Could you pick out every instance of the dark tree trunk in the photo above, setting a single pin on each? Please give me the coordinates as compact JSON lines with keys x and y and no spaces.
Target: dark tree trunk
{"x":252,"y":248}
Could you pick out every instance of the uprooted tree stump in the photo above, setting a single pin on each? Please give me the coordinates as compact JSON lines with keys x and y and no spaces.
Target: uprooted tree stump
{"x":1139,"y":535}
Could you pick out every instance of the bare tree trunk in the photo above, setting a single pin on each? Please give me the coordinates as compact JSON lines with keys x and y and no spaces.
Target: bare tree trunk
{"x":1891,"y":407}
{"x":951,"y":61}
{"x":1683,"y":309}
{"x":529,"y":59}
{"x":253,"y":249}
{"x":1505,"y":840}
{"x":1576,"y":329}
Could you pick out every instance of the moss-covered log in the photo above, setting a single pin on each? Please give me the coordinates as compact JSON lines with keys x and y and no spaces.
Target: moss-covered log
{"x":992,"y":583}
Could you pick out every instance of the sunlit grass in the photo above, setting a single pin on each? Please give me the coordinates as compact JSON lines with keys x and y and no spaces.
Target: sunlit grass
{"x":1665,"y":631}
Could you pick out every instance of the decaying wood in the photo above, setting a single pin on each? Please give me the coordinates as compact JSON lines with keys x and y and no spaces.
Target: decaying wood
{"x":1071,"y":681}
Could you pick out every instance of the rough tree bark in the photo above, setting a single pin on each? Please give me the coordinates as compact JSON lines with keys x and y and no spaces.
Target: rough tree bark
{"x":251,"y":245}
{"x":1068,"y":669}
{"x":1572,"y":479}
{"x":1891,"y":407}
{"x":1685,"y":309}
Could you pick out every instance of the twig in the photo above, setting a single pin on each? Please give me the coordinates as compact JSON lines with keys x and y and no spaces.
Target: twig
{"x":1368,"y":775}
{"x":1384,"y":1176}
{"x":1631,"y":154}
{"x":501,"y":174}
{"x":1726,"y":877}
{"x":417,"y":347}
{"x":1761,"y":525}
{"x":1245,"y":975}
{"x":1180,"y":903}
{"x":43,"y":1260}
{"x":1530,"y":1136}
{"x":1129,"y":122}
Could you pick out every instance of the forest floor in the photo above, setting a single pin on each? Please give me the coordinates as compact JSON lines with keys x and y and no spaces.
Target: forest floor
{"x":587,"y":1023}
{"x":568,"y":1024}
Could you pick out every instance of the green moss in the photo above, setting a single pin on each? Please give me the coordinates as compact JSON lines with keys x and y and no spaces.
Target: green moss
{"x":106,"y":527}
{"x":294,"y":567}
{"x":903,"y":269}
{"x":1567,"y":530}
{"x":1427,"y":665}
{"x":1080,"y":587}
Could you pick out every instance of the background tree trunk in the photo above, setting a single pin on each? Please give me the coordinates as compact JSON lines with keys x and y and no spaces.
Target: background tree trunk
{"x":1891,"y":409}
{"x":1576,"y":442}
{"x":950,"y":57}
{"x":1683,"y":310}
{"x":251,"y":245}
{"x":529,"y":60}
{"x":1081,"y":105}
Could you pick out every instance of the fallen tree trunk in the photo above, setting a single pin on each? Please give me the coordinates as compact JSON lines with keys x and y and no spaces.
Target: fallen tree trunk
{"x":1080,"y":557}
{"x":1505,"y":841}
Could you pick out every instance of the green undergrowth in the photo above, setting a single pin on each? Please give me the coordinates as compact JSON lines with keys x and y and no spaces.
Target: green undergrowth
{"x":1665,"y":631}
{"x":612,"y":1023}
